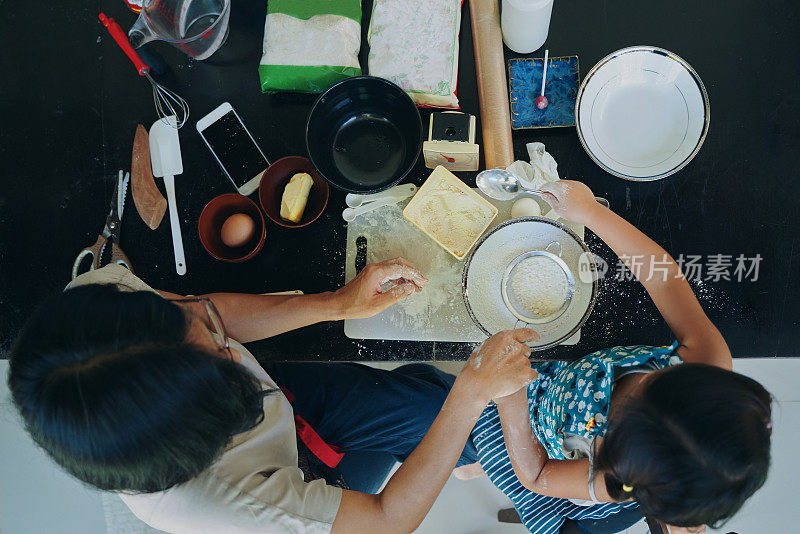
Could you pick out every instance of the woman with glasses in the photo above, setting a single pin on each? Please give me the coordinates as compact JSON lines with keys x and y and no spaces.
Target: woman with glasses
{"x":153,"y":396}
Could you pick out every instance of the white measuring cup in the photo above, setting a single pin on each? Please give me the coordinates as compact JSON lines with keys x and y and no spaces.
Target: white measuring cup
{"x":196,"y":27}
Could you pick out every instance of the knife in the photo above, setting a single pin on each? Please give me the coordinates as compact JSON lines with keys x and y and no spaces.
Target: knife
{"x":149,"y":201}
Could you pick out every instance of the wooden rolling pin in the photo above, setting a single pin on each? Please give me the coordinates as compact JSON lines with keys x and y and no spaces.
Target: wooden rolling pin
{"x":498,"y":148}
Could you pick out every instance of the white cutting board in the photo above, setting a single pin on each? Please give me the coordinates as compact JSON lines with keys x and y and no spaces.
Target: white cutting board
{"x":438,"y":313}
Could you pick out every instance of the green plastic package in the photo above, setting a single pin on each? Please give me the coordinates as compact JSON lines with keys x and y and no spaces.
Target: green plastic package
{"x":310,"y":44}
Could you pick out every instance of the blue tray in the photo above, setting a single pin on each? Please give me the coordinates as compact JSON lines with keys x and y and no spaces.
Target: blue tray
{"x":525,"y":85}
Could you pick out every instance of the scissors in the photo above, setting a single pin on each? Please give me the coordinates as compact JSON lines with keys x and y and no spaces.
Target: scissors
{"x":111,"y":232}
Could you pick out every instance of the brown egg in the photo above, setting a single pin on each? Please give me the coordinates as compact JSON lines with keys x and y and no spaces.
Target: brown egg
{"x":237,"y":230}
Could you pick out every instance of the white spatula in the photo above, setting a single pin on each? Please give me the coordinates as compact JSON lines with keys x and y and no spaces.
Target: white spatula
{"x":165,"y":156}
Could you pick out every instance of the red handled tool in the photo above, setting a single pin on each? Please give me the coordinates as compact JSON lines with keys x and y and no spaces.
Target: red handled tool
{"x":167,"y":102}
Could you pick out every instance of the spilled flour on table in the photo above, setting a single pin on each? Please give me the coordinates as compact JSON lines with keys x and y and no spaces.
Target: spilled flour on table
{"x":609,"y":321}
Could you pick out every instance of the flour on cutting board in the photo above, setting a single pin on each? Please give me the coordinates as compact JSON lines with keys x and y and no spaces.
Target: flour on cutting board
{"x":438,"y":313}
{"x":442,"y":295}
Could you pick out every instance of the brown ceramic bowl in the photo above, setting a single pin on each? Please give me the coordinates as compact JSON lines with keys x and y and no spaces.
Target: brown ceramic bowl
{"x":216,"y":213}
{"x":274,"y":181}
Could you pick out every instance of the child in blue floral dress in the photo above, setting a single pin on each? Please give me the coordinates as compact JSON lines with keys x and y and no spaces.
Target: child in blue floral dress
{"x":670,"y":430}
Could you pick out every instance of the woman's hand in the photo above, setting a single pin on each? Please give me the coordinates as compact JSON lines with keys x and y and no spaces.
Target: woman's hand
{"x":376,"y":287}
{"x":500,"y":366}
{"x":572,"y":200}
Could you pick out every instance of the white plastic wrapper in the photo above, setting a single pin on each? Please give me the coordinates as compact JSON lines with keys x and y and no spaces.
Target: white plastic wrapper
{"x":541,"y":170}
{"x":414,"y":43}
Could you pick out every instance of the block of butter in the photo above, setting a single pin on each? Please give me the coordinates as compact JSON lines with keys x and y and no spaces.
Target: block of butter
{"x":295,"y":197}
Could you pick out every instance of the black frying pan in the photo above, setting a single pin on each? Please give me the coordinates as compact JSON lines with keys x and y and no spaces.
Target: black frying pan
{"x":364,"y":134}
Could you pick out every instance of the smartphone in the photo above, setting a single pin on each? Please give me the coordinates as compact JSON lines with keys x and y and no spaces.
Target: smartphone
{"x":234,"y":148}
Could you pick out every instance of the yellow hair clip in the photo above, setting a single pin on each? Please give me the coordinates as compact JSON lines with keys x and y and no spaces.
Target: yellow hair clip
{"x":626,"y":488}
{"x":591,"y":424}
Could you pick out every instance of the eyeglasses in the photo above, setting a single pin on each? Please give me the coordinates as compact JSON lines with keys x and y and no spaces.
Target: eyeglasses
{"x":221,"y":337}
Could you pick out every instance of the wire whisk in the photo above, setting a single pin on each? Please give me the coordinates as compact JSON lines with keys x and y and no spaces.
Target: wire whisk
{"x":167,"y":102}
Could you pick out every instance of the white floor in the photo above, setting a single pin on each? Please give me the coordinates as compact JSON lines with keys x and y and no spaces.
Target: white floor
{"x":470,"y":507}
{"x":37,"y":498}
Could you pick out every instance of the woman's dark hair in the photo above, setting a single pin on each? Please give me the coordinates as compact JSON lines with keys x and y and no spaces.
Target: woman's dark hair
{"x":110,"y":388}
{"x":694,"y":447}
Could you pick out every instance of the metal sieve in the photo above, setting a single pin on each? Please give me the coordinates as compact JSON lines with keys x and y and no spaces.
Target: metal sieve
{"x":512,"y":300}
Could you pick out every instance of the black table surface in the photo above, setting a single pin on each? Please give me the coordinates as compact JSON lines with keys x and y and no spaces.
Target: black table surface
{"x":70,"y":102}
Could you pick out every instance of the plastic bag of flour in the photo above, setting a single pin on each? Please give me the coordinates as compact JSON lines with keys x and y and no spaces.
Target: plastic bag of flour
{"x":414,"y":43}
{"x":310,"y":44}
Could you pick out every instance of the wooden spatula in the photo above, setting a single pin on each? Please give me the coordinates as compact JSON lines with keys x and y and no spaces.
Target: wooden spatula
{"x":149,"y":201}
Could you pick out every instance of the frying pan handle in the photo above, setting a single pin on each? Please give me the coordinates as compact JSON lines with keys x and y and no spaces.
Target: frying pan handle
{"x":122,"y":40}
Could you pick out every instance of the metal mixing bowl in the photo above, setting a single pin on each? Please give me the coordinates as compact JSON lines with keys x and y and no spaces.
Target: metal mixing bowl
{"x":488,"y":261}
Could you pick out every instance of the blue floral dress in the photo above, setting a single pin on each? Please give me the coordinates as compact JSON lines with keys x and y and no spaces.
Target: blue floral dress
{"x":568,"y":398}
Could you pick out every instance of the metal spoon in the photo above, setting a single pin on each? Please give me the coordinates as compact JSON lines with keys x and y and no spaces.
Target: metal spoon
{"x":501,"y":184}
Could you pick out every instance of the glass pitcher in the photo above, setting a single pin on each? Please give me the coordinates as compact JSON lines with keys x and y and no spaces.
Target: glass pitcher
{"x":197,"y":27}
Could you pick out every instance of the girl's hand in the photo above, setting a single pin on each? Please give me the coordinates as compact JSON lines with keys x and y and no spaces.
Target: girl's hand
{"x":571,"y":200}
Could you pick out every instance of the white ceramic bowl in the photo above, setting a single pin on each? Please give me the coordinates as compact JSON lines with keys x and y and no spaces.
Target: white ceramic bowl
{"x":642,"y":113}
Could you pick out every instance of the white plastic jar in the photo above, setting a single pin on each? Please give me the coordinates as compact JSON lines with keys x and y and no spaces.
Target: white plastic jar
{"x":525,"y":24}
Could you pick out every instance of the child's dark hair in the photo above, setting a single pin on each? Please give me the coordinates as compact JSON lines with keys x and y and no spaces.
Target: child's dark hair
{"x":693,"y":449}
{"x":109,"y":387}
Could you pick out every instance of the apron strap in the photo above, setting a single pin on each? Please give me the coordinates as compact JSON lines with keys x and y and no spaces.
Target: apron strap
{"x":330,"y":455}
